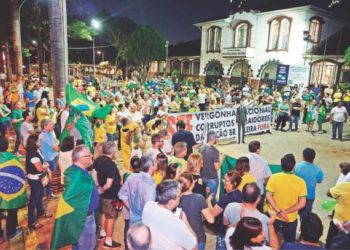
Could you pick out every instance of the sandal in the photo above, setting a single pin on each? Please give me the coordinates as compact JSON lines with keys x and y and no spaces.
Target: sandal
{"x":36,"y":226}
{"x":45,"y":215}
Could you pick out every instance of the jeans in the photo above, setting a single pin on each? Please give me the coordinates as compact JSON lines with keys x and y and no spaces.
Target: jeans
{"x":35,"y":201}
{"x":220,"y":242}
{"x":201,"y":245}
{"x":212,"y":184}
{"x":87,"y":238}
{"x":281,"y":120}
{"x":110,"y":137}
{"x":53,"y":164}
{"x":337,"y":126}
{"x":18,"y":140}
{"x":288,"y":229}
{"x":11,"y":223}
{"x":307,"y":209}
{"x":241,"y":131}
{"x":294,"y":120}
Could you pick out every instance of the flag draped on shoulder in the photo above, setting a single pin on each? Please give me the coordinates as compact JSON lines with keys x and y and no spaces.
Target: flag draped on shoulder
{"x":72,"y":207}
{"x":12,"y":182}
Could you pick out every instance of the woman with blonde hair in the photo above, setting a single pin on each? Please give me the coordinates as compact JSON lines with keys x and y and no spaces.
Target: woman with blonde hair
{"x":162,"y":164}
{"x":194,"y":166}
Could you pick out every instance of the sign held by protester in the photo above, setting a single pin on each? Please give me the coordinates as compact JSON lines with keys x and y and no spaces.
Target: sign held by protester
{"x":223,"y":122}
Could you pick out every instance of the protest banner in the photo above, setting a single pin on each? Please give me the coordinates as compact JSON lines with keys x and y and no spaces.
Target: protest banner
{"x":223,"y":122}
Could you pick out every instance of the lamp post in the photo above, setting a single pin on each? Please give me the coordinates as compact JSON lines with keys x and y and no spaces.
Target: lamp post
{"x":306,"y":37}
{"x":99,"y":52}
{"x":95,"y":25}
{"x":166,"y":55}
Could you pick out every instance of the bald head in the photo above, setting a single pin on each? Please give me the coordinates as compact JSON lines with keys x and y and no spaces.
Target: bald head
{"x":139,"y":237}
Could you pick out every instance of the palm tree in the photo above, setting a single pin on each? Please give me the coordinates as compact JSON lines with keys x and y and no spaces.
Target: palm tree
{"x":16,"y":37}
{"x":59,"y":44}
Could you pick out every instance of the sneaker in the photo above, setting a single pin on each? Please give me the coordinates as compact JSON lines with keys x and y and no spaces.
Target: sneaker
{"x":114,"y":245}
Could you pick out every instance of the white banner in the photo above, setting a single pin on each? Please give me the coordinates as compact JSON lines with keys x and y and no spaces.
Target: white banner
{"x":223,"y":122}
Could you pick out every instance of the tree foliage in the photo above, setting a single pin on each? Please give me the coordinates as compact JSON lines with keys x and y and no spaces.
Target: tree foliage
{"x":146,"y":45}
{"x":79,"y":30}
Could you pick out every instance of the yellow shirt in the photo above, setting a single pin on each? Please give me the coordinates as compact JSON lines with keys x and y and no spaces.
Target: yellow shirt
{"x":246,"y":178}
{"x":341,"y":193}
{"x":100,"y":133}
{"x":92,"y":90}
{"x":41,"y":114}
{"x":337,"y":96}
{"x":158,"y":177}
{"x":182,"y":162}
{"x":111,"y":124}
{"x":346,"y":98}
{"x":286,"y":189}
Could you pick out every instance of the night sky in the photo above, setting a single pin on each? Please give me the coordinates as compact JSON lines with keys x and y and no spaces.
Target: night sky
{"x":175,"y":18}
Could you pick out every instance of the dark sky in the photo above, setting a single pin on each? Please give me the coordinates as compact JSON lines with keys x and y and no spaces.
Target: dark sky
{"x":175,"y":18}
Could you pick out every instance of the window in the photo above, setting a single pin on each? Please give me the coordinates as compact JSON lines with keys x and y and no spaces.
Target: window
{"x":242,"y":35}
{"x":214,"y":39}
{"x":195,"y":66}
{"x":186,"y":70}
{"x":175,"y":65}
{"x":279,"y":33}
{"x":315,"y":29}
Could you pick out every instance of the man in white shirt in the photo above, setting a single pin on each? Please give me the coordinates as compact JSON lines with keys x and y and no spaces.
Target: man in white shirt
{"x":27,"y":128}
{"x":339,"y":116}
{"x":168,"y":230}
{"x":258,"y":167}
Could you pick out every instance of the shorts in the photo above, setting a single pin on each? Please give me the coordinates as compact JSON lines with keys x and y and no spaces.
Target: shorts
{"x":108,"y":209}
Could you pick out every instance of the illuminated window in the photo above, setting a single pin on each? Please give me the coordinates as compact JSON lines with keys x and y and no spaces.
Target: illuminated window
{"x":214,"y":39}
{"x":315,"y":29}
{"x":279,"y":33}
{"x":242,"y":35}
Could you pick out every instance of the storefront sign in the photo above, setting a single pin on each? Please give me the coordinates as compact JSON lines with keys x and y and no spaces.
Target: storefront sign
{"x":223,"y":122}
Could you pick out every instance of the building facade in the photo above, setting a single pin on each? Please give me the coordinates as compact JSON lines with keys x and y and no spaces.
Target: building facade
{"x":248,"y":46}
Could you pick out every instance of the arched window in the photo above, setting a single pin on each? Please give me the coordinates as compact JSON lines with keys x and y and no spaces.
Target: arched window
{"x":242,"y":35}
{"x":186,"y":69}
{"x":214,"y":39}
{"x":279,"y":33}
{"x":175,"y":65}
{"x":315,"y":29}
{"x":195,"y":67}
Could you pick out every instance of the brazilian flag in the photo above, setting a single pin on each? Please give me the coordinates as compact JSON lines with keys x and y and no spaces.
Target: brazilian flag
{"x":72,"y":207}
{"x":12,"y":182}
{"x":230,"y":163}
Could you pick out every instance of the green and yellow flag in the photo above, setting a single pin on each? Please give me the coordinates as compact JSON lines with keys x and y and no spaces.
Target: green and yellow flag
{"x":12,"y":182}
{"x":72,"y":207}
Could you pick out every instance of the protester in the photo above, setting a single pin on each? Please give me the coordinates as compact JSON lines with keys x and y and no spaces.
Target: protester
{"x":311,"y":231}
{"x":241,"y":119}
{"x":77,"y":226}
{"x":249,"y":234}
{"x":339,"y":116}
{"x":138,"y":237}
{"x":212,"y":162}
{"x":162,"y":165}
{"x":139,"y":188}
{"x":242,"y":167}
{"x":180,"y":152}
{"x":17,"y":120}
{"x":344,"y":172}
{"x":195,"y":207}
{"x":295,"y":114}
{"x":194,"y":167}
{"x":231,"y":182}
{"x":286,"y":193}
{"x":185,"y":136}
{"x":27,"y":128}
{"x":158,"y":216}
{"x":108,"y":181}
{"x":65,"y":155}
{"x":312,"y":175}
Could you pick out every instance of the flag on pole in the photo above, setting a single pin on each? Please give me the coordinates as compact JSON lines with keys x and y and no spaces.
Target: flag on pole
{"x":12,"y":182}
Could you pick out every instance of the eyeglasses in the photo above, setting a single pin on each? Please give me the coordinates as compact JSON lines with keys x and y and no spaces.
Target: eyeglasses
{"x":89,"y":156}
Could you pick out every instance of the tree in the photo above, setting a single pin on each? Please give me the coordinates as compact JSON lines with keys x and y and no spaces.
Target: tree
{"x":118,"y":32}
{"x":347,"y":56}
{"x":16,"y":37}
{"x":59,"y":44}
{"x":79,"y":30}
{"x":146,"y":45}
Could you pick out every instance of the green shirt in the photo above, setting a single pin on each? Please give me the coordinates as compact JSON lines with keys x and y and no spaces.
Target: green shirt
{"x":4,"y":111}
{"x":17,"y":114}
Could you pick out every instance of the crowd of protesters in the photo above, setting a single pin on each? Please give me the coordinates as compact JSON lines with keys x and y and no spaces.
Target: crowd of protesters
{"x":169,"y":189}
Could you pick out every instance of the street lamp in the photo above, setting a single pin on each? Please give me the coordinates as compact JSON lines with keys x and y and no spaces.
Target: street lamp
{"x":166,"y":55}
{"x":306,"y":37}
{"x":99,"y":52}
{"x":95,"y":25}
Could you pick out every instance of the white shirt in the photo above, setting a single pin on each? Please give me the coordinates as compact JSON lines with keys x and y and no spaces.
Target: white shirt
{"x":26,"y":130}
{"x":168,"y":231}
{"x":201,"y":98}
{"x":64,"y":118}
{"x":338,"y":114}
{"x":259,"y":169}
{"x":343,"y":178}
